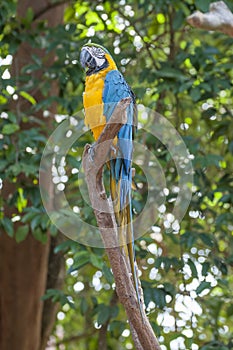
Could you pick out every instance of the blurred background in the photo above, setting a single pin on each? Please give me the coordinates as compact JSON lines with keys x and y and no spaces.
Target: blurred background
{"x":56,"y":293}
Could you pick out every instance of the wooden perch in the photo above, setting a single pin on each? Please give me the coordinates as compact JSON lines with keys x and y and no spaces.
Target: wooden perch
{"x":93,"y":161}
{"x":219,"y":18}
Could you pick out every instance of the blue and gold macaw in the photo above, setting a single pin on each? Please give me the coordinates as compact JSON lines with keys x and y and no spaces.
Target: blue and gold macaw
{"x":104,"y":88}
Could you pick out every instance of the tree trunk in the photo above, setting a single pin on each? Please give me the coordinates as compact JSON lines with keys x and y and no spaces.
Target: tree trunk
{"x":23,"y":282}
{"x":24,"y":324}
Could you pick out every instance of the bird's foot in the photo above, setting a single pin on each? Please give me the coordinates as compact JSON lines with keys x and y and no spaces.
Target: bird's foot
{"x":113,"y":150}
{"x":91,"y":152}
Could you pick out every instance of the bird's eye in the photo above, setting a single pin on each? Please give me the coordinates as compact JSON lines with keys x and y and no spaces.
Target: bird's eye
{"x":99,"y":52}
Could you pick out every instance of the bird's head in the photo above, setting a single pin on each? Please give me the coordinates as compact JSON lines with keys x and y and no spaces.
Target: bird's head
{"x":94,"y":58}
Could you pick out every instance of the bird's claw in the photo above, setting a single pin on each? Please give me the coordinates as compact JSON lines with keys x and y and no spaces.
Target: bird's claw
{"x":91,"y":152}
{"x":113,"y":149}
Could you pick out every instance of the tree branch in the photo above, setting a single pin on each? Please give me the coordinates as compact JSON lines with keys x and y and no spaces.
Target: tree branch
{"x":75,"y":338}
{"x":49,"y":7}
{"x":219,"y":18}
{"x":93,"y":161}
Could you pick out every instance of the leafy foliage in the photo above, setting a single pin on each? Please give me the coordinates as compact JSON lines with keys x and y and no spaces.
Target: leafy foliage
{"x":184,"y":74}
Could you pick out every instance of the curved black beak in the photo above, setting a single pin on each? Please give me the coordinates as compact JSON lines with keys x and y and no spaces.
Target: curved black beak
{"x":86,"y":59}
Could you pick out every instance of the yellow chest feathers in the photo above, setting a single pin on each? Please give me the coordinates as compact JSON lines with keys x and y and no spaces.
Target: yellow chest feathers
{"x":92,"y":99}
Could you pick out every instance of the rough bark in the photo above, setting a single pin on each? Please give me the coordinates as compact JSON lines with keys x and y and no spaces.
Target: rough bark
{"x":219,"y":18}
{"x":24,"y":266}
{"x":143,"y":334}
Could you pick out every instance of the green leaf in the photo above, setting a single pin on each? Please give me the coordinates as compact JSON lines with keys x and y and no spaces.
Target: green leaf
{"x":195,"y":94}
{"x":65,"y":246}
{"x":193,"y":268}
{"x":40,"y":235}
{"x":9,"y":129}
{"x":202,"y":5}
{"x":3,"y":165}
{"x":81,"y":258}
{"x":69,"y":13}
{"x":230,"y":146}
{"x":158,"y":295}
{"x":45,"y":221}
{"x":226,"y":198}
{"x":114,"y":310}
{"x":96,"y":261}
{"x":224,"y":218}
{"x":22,"y":167}
{"x":221,"y":265}
{"x":35,"y":221}
{"x":103,"y":314}
{"x":148,"y":294}
{"x":116,"y":328}
{"x":3,"y":100}
{"x":178,"y":20}
{"x":21,"y":233}
{"x":29,"y":15}
{"x":202,"y":286}
{"x":206,"y":239}
{"x":189,"y":238}
{"x":28,"y":97}
{"x":21,"y":200}
{"x":107,"y":273}
{"x":53,"y":230}
{"x":29,"y":169}
{"x":169,"y":72}
{"x":205,"y":268}
{"x":230,"y":310}
{"x":31,"y":213}
{"x":12,"y":117}
{"x":156,"y":328}
{"x":83,"y":306}
{"x":37,"y":59}
{"x":27,"y":20}
{"x":8,"y":226}
{"x":169,"y":288}
{"x":214,"y":345}
{"x":57,"y":296}
{"x":213,"y":159}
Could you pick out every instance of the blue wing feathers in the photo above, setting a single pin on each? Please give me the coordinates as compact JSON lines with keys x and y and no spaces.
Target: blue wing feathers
{"x":116,"y":88}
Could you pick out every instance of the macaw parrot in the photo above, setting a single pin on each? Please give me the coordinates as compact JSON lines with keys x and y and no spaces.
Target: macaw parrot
{"x":104,"y":88}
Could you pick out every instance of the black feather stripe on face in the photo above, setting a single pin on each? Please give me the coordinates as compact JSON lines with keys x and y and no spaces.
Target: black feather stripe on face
{"x":98,"y":52}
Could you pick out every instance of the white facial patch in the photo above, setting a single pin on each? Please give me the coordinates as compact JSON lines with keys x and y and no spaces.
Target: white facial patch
{"x":99,"y":61}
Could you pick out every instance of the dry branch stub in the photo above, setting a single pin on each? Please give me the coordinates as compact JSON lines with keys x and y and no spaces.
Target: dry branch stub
{"x":219,"y":18}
